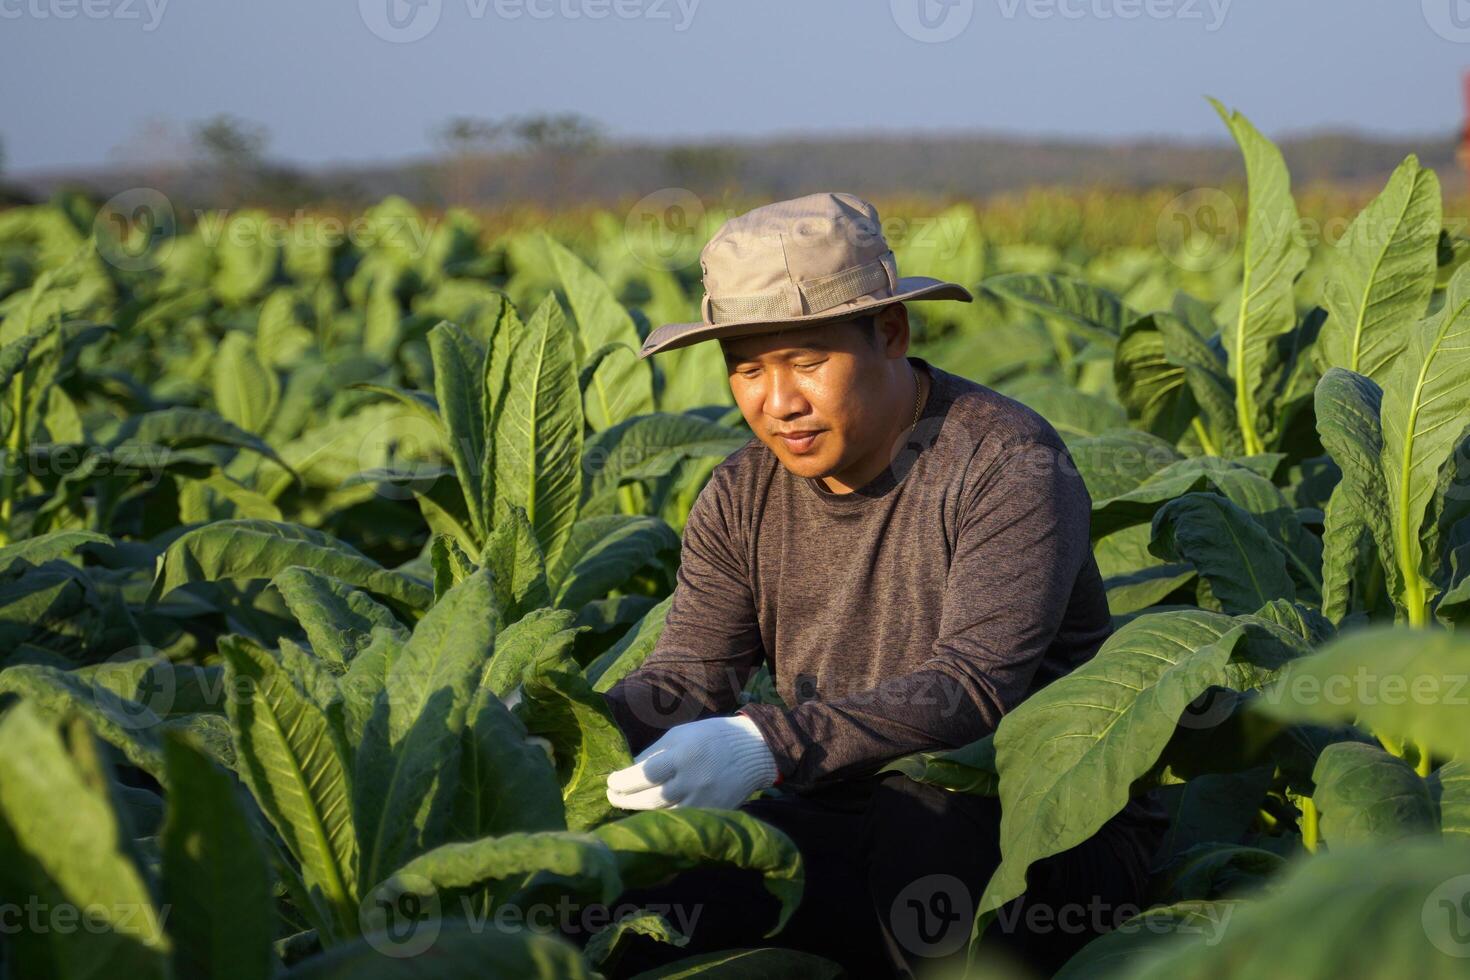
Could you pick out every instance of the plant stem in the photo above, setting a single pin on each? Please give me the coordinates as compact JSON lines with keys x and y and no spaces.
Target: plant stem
{"x":1309,"y":824}
{"x":1205,"y":442}
{"x":1392,"y":745}
{"x":1424,"y":764}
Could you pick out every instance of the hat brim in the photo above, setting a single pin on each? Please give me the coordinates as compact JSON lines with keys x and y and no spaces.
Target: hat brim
{"x":672,"y":336}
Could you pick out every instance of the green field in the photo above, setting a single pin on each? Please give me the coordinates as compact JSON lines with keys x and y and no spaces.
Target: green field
{"x":322,"y":536}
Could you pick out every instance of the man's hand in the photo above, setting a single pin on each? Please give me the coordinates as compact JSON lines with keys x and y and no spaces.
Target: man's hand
{"x":715,"y":762}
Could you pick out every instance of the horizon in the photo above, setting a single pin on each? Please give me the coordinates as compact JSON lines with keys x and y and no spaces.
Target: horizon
{"x":616,"y":142}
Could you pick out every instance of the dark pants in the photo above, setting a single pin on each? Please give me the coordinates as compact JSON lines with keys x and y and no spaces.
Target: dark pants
{"x":894,"y":869}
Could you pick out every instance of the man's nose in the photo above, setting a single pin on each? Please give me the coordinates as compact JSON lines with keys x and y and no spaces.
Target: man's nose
{"x":784,"y":398}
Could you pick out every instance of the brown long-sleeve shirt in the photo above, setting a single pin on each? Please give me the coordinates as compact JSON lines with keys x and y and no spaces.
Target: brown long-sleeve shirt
{"x":908,"y":615}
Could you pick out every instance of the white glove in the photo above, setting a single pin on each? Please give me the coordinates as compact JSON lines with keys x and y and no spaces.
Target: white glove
{"x":715,"y":762}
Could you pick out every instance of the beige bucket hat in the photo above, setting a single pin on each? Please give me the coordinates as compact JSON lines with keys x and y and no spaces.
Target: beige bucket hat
{"x":797,"y":263}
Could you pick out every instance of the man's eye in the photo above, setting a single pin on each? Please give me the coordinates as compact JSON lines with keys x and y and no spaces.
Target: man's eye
{"x":808,"y":367}
{"x":749,"y":373}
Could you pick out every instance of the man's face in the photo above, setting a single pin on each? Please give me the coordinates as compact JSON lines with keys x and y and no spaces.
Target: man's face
{"x":806,"y":393}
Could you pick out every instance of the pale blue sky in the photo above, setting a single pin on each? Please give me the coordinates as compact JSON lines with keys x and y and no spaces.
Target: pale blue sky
{"x":331,"y":89}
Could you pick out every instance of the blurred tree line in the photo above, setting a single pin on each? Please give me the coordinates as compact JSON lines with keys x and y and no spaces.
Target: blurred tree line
{"x":558,"y":160}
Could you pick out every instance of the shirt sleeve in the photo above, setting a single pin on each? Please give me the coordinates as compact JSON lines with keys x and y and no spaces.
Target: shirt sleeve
{"x":1022,"y":541}
{"x":711,"y":641}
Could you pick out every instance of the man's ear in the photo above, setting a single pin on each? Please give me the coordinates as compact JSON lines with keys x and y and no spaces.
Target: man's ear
{"x":891,"y":329}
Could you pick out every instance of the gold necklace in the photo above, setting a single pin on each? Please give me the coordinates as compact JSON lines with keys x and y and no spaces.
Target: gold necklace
{"x":918,"y":391}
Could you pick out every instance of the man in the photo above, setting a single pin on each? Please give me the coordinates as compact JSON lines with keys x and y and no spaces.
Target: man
{"x":908,"y":551}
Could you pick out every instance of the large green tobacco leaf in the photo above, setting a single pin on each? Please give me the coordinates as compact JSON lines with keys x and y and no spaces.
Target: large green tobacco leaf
{"x":1228,"y":548}
{"x":1382,"y":274}
{"x":604,"y":552}
{"x":61,"y":843}
{"x":1073,"y":413}
{"x":1399,"y":682}
{"x":1348,"y":408}
{"x":251,"y":549}
{"x":1375,"y":913}
{"x":538,"y":431}
{"x":296,"y":770}
{"x":584,"y":858}
{"x":330,"y":454}
{"x":506,"y":783}
{"x":537,"y":636}
{"x":118,"y":720}
{"x":455,"y":950}
{"x":167,"y":690}
{"x":604,"y":943}
{"x":1150,"y":386}
{"x":1229,"y":477}
{"x":645,"y":447}
{"x":588,"y":745}
{"x":182,"y":428}
{"x":1133,"y":576}
{"x":1273,"y":257}
{"x":459,"y":368}
{"x":1366,"y":795}
{"x":970,"y":769}
{"x":513,"y":554}
{"x":1208,"y":379}
{"x":1423,"y":418}
{"x":56,"y":544}
{"x":418,"y":404}
{"x":1069,"y":754}
{"x":652,"y":844}
{"x":622,"y":385}
{"x":1093,"y":313}
{"x":409,"y":747}
{"x":1172,"y":379}
{"x":631,"y":649}
{"x":365,"y":679}
{"x":214,"y":874}
{"x":451,"y":564}
{"x":245,"y":390}
{"x":1115,"y":462}
{"x":338,"y":619}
